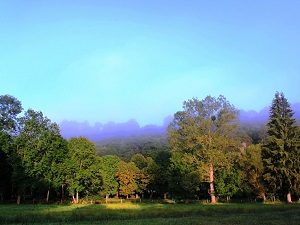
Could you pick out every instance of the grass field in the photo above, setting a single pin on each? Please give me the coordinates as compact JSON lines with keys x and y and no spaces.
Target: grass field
{"x":151,"y":213}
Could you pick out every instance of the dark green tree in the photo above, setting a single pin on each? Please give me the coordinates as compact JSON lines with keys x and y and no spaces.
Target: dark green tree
{"x":251,"y":172}
{"x":108,"y":167}
{"x":145,"y":173}
{"x":82,"y":168}
{"x":10,"y":108}
{"x":160,"y":172}
{"x":203,"y":132}
{"x":40,"y":149}
{"x":228,"y":181}
{"x":140,"y":161}
{"x":182,"y":181}
{"x":280,"y":153}
{"x":54,"y":150}
{"x":5,"y":167}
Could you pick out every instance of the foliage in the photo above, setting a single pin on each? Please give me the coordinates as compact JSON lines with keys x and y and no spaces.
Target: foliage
{"x":10,"y":108}
{"x":207,"y":156}
{"x":108,"y":169}
{"x":140,"y":161}
{"x":127,"y":178}
{"x":182,"y":180}
{"x":228,"y":181}
{"x":202,"y":132}
{"x":160,"y":172}
{"x":145,"y":173}
{"x":280,"y":153}
{"x":251,"y":171}
{"x":39,"y":149}
{"x":5,"y":167}
{"x":83,"y":173}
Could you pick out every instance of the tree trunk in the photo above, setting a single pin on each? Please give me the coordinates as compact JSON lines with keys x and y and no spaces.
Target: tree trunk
{"x":211,"y":184}
{"x":165,"y":195}
{"x":19,"y":199}
{"x":87,"y":196}
{"x":74,"y":200}
{"x":289,"y":197}
{"x":106,"y":198}
{"x":136,"y":196}
{"x":151,"y":195}
{"x":227,"y":198}
{"x":62,"y":193}
{"x":48,"y":193}
{"x":264,"y":197}
{"x":77,"y":197}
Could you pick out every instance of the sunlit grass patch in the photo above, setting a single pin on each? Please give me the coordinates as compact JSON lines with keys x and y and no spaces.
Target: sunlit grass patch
{"x":123,"y":206}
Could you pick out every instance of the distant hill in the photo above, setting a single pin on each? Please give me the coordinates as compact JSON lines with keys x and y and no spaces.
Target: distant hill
{"x":126,"y":147}
{"x":253,"y":116}
{"x":263,"y":115}
{"x":99,"y":131}
{"x":110,"y":130}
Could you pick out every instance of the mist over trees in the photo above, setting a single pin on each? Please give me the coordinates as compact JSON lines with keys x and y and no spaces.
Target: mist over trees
{"x":254,"y":123}
{"x":100,"y":131}
{"x":209,"y":151}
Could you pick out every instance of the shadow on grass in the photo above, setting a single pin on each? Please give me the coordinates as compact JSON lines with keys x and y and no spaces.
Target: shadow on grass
{"x":151,"y":213}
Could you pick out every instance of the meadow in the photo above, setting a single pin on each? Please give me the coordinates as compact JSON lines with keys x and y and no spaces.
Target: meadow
{"x":150,"y":213}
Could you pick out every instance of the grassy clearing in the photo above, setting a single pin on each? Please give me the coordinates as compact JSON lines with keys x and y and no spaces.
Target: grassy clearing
{"x":151,"y":213}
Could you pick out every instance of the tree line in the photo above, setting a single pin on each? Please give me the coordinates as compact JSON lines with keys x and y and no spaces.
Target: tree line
{"x":208,"y":155}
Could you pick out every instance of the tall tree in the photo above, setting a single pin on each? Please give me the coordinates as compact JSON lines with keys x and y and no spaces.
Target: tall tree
{"x":228,"y":181}
{"x":161,"y":172}
{"x":108,"y":167}
{"x":182,"y":181}
{"x":145,"y":173}
{"x":10,"y":108}
{"x":280,"y":153}
{"x":127,"y":177}
{"x":82,"y":175}
{"x":203,"y":132}
{"x":54,"y":150}
{"x":40,"y":149}
{"x":251,"y":171}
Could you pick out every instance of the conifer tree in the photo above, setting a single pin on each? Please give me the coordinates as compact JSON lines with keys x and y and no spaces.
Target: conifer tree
{"x":280,"y":153}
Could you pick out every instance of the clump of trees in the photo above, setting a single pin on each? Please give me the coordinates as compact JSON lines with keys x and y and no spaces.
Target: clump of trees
{"x":205,"y":155}
{"x":206,"y":147}
{"x":38,"y":163}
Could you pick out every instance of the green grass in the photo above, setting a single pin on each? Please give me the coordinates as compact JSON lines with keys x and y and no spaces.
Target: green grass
{"x":151,"y":213}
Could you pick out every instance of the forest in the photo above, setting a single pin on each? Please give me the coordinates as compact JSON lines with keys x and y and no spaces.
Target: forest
{"x":206,"y":154}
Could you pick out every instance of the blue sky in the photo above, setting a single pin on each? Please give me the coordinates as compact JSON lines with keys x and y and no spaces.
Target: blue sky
{"x":116,"y":60}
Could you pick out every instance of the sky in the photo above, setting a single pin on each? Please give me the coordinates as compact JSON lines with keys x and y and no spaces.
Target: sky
{"x":101,"y":61}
